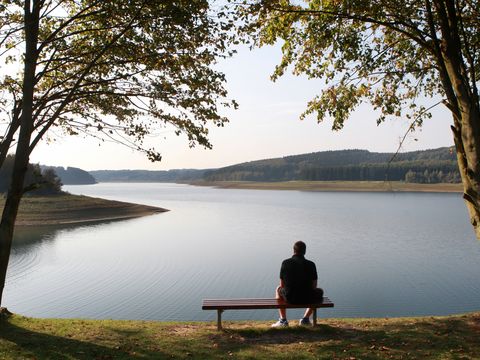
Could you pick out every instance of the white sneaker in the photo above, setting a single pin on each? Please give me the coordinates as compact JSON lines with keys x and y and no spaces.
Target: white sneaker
{"x":281,"y":323}
{"x":304,"y":322}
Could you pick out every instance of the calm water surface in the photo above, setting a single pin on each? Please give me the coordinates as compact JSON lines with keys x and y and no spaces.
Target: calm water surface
{"x":377,"y":254}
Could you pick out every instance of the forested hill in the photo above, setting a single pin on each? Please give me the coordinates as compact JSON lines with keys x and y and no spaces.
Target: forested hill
{"x":426,"y":166}
{"x":147,"y":176}
{"x":72,"y":175}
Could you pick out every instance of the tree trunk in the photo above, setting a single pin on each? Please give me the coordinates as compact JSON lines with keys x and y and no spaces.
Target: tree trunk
{"x":470,"y":166}
{"x":22,"y":153}
{"x":463,"y":96}
{"x":466,"y":143}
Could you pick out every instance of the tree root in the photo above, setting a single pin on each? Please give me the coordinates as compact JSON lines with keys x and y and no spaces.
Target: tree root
{"x":4,"y":313}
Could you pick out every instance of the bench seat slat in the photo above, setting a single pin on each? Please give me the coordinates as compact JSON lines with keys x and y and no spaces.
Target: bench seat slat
{"x":269,"y":303}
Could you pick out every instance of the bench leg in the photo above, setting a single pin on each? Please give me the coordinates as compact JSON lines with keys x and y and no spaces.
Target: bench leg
{"x":219,"y":319}
{"x":315,"y":317}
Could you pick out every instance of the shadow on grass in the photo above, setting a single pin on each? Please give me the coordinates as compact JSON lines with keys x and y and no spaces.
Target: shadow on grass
{"x":24,"y":343}
{"x":436,"y":338}
{"x":425,"y":338}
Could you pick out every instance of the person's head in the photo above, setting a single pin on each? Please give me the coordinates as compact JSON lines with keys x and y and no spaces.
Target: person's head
{"x":299,"y":248}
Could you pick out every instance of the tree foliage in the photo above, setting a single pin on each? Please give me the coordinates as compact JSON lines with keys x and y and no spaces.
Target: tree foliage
{"x":395,"y":56}
{"x":119,"y":70}
{"x":375,"y":51}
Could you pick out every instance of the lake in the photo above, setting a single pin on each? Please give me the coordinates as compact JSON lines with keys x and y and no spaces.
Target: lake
{"x":377,"y":254}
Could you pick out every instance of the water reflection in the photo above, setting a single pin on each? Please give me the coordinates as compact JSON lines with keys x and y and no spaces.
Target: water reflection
{"x":27,"y":238}
{"x":34,"y":246}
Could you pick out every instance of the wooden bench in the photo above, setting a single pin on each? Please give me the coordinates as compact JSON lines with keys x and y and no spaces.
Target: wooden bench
{"x":248,"y":304}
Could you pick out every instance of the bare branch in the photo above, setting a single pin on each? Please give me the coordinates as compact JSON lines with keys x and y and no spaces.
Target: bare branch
{"x":412,"y":126}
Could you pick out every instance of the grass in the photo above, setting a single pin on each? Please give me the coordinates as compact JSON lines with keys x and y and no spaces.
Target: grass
{"x":71,"y":209}
{"x":382,"y":186}
{"x":451,"y":337}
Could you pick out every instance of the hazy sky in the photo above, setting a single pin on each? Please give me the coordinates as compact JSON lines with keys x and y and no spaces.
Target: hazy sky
{"x":266,"y":125}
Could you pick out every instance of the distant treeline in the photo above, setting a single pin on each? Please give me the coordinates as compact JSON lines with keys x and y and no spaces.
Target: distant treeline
{"x":427,"y":166}
{"x":147,"y":176}
{"x":37,"y":180}
{"x":72,"y":175}
{"x":44,"y":180}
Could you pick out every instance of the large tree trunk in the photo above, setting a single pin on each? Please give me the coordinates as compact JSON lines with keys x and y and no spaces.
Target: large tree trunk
{"x":466,"y":133}
{"x":460,"y":86}
{"x":22,"y":153}
{"x":468,"y":154}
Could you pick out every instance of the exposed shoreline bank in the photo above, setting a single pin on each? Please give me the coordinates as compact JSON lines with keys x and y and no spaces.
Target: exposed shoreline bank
{"x":347,"y":186}
{"x":69,"y":209}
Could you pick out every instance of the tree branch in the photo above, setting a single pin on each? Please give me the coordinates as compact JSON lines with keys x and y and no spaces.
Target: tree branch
{"x":446,"y":82}
{"x":410,"y":128}
{"x":70,"y":20}
{"x":364,"y":19}
{"x":468,"y":55}
{"x":81,"y":78}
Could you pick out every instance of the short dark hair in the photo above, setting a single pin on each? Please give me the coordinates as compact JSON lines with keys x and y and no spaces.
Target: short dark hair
{"x":299,"y":248}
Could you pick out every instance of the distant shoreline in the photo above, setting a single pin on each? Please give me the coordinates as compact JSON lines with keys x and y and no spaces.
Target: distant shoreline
{"x":67,"y":209}
{"x":348,"y":186}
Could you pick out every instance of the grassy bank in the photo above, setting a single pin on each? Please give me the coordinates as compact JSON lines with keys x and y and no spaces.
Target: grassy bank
{"x":382,"y":186}
{"x":452,"y":337}
{"x":71,"y":209}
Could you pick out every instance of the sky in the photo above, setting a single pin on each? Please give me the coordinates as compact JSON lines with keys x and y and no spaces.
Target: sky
{"x":266,"y":125}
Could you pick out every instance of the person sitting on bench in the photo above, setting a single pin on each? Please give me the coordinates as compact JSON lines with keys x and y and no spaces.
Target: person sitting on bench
{"x":298,"y":284}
